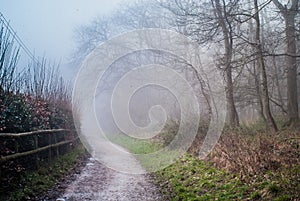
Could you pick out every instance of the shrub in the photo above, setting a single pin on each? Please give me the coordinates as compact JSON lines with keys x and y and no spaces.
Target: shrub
{"x":15,"y":113}
{"x":21,"y":113}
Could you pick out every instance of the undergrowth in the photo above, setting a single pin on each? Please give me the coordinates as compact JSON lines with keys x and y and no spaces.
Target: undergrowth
{"x":192,"y":179}
{"x":247,"y":163}
{"x":34,"y":183}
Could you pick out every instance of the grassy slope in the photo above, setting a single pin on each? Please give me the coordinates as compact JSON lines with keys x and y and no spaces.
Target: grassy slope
{"x":135,"y":146}
{"x":192,"y":179}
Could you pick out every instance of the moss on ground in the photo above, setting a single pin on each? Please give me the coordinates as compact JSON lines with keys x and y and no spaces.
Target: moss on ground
{"x":192,"y":179}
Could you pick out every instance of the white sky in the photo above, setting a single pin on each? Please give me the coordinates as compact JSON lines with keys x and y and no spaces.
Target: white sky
{"x":47,"y":26}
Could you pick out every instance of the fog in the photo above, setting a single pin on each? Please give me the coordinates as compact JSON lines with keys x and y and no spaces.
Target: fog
{"x":122,"y":86}
{"x":47,"y":27}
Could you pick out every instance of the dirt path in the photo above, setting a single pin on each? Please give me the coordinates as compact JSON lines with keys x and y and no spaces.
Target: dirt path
{"x":97,"y":182}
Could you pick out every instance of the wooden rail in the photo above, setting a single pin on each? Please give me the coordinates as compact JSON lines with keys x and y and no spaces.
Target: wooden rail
{"x":52,"y":142}
{"x":39,"y":132}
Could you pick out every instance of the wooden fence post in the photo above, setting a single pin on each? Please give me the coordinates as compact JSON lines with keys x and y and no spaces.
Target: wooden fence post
{"x":16,"y":145}
{"x":50,"y":150}
{"x":36,"y":143}
{"x":55,"y":141}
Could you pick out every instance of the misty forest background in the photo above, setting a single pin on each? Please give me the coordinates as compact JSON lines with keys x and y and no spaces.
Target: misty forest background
{"x":255,"y":45}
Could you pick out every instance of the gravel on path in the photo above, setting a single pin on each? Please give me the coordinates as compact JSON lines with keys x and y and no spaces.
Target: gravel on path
{"x":97,"y":182}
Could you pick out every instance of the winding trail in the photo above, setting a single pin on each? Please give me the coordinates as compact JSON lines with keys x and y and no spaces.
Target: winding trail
{"x":97,"y":182}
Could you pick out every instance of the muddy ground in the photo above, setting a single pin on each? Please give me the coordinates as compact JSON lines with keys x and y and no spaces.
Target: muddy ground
{"x":91,"y":180}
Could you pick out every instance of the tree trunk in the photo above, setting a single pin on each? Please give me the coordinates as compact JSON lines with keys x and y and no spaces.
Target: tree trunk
{"x":289,"y":16}
{"x":258,"y":92}
{"x":233,"y":119}
{"x":278,"y":86}
{"x":255,"y":72}
{"x":291,"y":61}
{"x":261,"y":63}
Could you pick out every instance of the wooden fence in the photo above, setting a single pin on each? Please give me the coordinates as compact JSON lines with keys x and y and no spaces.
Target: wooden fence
{"x":19,"y":145}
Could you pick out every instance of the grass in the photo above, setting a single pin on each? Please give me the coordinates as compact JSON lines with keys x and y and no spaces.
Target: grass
{"x":248,"y":163}
{"x":145,"y":152}
{"x":192,"y":179}
{"x":33,"y":183}
{"x":136,"y":146}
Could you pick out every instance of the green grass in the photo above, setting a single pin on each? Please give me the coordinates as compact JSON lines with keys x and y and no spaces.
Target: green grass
{"x":192,"y":179}
{"x":146,"y":152}
{"x":33,"y":183}
{"x":136,"y":146}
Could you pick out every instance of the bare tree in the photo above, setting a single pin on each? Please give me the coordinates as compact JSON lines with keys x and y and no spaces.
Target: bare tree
{"x":226,"y":27}
{"x":244,"y":51}
{"x":210,"y":22}
{"x":261,"y":63}
{"x":89,"y":36}
{"x":289,"y":15}
{"x":9,"y":54}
